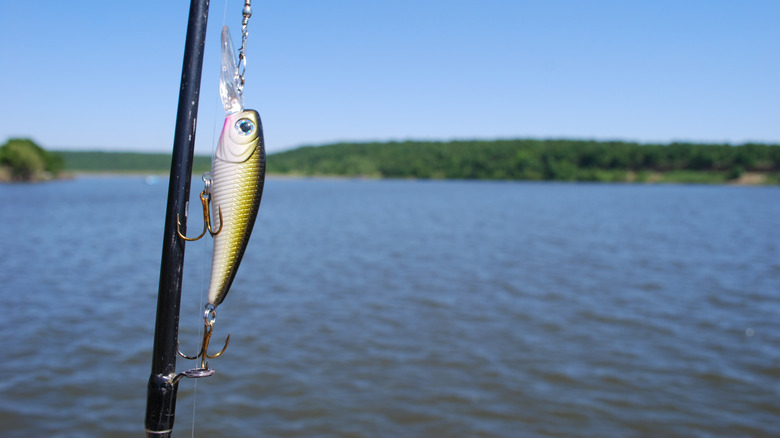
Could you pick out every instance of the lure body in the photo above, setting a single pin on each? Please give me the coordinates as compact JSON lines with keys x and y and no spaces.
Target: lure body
{"x":237,"y":179}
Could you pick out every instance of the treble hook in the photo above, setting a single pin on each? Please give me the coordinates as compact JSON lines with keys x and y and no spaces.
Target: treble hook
{"x":209,"y":317}
{"x":205,"y":200}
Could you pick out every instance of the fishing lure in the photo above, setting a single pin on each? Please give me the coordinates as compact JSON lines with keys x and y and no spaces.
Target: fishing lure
{"x":234,"y":185}
{"x":237,"y":177}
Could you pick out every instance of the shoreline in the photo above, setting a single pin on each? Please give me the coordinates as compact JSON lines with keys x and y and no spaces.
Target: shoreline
{"x":653,"y":178}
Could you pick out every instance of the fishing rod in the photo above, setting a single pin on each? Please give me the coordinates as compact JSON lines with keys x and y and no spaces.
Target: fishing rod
{"x":234,"y":184}
{"x":161,"y":390}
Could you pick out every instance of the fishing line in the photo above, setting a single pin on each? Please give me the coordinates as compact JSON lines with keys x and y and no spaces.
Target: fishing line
{"x":205,"y":252}
{"x":194,"y":401}
{"x":204,"y":268}
{"x":214,"y":137}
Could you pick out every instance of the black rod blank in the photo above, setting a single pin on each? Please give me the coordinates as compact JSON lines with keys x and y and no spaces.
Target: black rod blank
{"x":161,"y":395}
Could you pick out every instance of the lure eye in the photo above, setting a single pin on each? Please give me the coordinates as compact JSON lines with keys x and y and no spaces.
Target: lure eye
{"x":245,"y":127}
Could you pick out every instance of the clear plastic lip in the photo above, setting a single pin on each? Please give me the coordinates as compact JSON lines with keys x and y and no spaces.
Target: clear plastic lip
{"x":228,"y":78}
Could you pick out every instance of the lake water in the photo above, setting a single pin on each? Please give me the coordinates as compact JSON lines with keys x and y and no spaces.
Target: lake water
{"x":404,"y":309}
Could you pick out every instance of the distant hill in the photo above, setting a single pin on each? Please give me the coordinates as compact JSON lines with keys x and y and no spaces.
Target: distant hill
{"x":125,"y":162}
{"x":551,"y":160}
{"x":522,"y":159}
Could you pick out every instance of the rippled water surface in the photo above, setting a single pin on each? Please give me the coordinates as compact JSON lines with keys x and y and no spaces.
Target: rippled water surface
{"x":402,"y":308}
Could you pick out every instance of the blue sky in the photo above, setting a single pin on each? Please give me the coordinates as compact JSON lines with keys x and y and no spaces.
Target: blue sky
{"x":105,"y":75}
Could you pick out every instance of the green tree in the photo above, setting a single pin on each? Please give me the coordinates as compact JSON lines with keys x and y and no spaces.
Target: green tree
{"x":26,"y":161}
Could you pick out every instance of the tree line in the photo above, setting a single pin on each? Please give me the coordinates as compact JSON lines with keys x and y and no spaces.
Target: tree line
{"x":22,"y":159}
{"x":567,"y":160}
{"x":126,"y":162}
{"x":523,"y":159}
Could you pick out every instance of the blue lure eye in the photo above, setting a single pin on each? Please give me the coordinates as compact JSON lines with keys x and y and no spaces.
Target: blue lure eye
{"x":245,"y":126}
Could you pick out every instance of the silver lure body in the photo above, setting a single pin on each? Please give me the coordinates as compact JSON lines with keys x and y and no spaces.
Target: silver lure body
{"x":237,"y":179}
